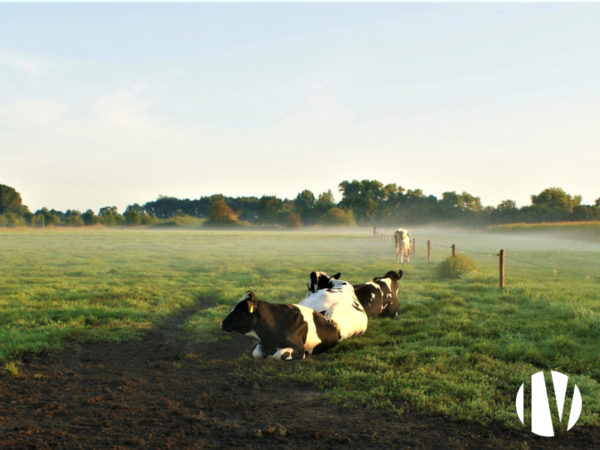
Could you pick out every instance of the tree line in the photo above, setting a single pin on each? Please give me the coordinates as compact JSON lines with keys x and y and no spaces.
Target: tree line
{"x":366,"y":202}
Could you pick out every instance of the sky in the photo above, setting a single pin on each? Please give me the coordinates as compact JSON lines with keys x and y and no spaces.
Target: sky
{"x":113,"y":104}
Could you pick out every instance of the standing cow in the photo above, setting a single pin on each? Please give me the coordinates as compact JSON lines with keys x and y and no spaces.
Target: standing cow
{"x":403,"y":244}
{"x":337,"y":301}
{"x":284,"y":332}
{"x":379,"y":297}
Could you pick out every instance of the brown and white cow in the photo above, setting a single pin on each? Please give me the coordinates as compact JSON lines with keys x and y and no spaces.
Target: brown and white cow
{"x":403,"y":244}
{"x":284,"y":332}
{"x":379,"y":297}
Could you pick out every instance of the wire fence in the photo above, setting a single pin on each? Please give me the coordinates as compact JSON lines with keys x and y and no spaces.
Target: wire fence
{"x":500,"y":255}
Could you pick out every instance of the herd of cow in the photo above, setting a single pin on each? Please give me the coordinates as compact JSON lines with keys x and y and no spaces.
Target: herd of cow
{"x":333,"y":310}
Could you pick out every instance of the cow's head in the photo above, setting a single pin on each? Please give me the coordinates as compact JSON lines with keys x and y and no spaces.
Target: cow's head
{"x":394,"y":278}
{"x":243,"y":316}
{"x":320,"y":280}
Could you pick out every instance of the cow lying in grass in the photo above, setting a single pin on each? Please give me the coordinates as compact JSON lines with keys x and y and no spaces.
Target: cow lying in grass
{"x":337,"y":302}
{"x":320,"y":280}
{"x":379,"y":297}
{"x":284,"y":331}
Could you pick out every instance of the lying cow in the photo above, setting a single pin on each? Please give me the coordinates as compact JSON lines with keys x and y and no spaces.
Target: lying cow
{"x":284,"y":331}
{"x":337,"y":302}
{"x":320,"y":280}
{"x":403,"y":244}
{"x":379,"y":297}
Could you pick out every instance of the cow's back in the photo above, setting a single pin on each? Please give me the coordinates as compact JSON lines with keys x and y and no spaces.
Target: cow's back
{"x":341,"y":306}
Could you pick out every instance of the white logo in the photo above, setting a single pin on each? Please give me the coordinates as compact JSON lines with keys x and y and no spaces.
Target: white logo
{"x":541,"y":418}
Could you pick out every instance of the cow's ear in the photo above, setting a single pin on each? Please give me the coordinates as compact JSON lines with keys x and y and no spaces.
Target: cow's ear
{"x":400,"y":273}
{"x":313,"y":278}
{"x":337,"y":276}
{"x":252,"y":301}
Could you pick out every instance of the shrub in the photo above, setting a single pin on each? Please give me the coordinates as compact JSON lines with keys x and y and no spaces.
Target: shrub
{"x":221,"y":214}
{"x":458,"y":266}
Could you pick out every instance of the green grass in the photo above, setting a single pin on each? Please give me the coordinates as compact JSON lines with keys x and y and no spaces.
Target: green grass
{"x":460,"y":348}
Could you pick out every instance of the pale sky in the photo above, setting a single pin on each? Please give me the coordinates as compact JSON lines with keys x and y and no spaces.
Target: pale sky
{"x":113,"y":104}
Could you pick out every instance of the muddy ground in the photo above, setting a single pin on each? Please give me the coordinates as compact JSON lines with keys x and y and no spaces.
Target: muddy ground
{"x":154,"y":394}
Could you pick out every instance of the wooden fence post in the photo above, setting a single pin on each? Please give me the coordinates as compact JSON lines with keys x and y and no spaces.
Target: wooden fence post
{"x":414,"y":248}
{"x":428,"y":251}
{"x":453,"y":247}
{"x":501,"y":281}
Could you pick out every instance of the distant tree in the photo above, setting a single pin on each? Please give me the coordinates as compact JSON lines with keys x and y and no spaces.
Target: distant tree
{"x":73,"y":218}
{"x":324,"y":202}
{"x":294,"y":220}
{"x":339,"y":216}
{"x":10,"y":201}
{"x":221,"y":214}
{"x":109,"y":216}
{"x":556,"y":198}
{"x":89,"y":218}
{"x":134,"y":214}
{"x":269,"y":209}
{"x":363,"y":197}
{"x":304,"y":204}
{"x":45,"y":217}
{"x":507,"y":205}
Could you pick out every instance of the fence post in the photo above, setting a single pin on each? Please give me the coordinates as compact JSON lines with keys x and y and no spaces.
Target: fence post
{"x":501,"y":274}
{"x":453,"y":247}
{"x":428,"y":250}
{"x":414,"y":248}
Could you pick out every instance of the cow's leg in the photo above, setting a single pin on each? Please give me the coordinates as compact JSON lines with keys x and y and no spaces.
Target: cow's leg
{"x":258,"y":352}
{"x":287,"y":354}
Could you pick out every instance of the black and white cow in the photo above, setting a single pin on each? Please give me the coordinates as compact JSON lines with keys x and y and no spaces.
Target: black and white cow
{"x":284,"y":331}
{"x":337,"y":302}
{"x":320,"y":280}
{"x":379,"y":297}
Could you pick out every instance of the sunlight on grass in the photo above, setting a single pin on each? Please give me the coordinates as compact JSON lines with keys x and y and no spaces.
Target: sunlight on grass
{"x":458,"y":347}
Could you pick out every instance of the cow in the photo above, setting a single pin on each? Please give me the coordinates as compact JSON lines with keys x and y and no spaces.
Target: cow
{"x":284,"y":332}
{"x":320,"y":280}
{"x":337,"y":302}
{"x":379,"y":297}
{"x":403,"y":244}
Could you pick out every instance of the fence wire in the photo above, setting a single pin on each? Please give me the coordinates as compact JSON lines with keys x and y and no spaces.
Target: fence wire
{"x":509,"y":258}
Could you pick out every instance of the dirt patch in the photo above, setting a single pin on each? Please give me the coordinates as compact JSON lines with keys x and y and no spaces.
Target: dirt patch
{"x":164,"y":391}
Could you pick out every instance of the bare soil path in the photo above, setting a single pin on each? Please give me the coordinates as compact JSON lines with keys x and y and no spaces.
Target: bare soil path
{"x":155,"y":393}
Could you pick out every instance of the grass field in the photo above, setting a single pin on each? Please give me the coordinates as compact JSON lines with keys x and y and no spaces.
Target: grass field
{"x":460,"y":348}
{"x":582,"y":230}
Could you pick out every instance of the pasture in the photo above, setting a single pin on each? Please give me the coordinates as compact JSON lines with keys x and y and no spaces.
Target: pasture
{"x":458,"y":350}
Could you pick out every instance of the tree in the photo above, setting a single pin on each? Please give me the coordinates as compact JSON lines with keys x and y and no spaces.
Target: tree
{"x":89,"y":218}
{"x":304,"y":204}
{"x":10,"y":201}
{"x":338,"y":216}
{"x":73,"y":218}
{"x":294,"y":220}
{"x":556,"y":198}
{"x":45,"y":217}
{"x":221,"y":214}
{"x":269,"y":209}
{"x":109,"y":216}
{"x":134,"y":214}
{"x":363,"y":197}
